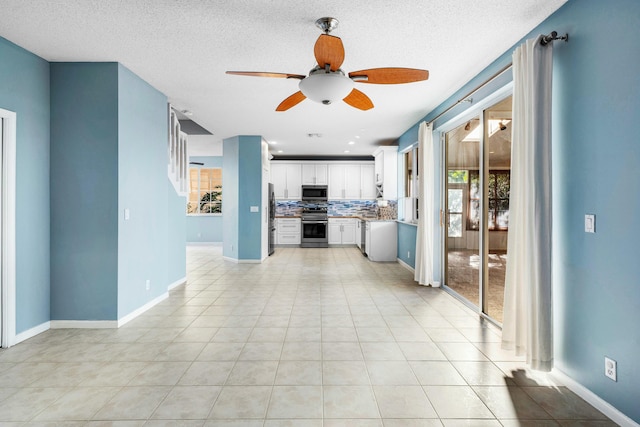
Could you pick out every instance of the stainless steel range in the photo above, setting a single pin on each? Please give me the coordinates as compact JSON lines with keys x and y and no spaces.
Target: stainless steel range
{"x":315,"y":227}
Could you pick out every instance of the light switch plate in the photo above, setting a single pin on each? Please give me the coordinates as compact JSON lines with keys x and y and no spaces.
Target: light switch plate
{"x":254,"y":209}
{"x":589,"y":223}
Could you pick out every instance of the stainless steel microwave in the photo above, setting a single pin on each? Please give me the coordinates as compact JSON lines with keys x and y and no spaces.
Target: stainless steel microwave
{"x":314,"y":192}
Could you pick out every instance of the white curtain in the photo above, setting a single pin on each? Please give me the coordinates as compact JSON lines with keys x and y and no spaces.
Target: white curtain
{"x":527,"y":323}
{"x":424,"y":238}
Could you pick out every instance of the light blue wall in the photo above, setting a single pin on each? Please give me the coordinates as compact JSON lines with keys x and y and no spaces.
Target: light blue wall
{"x":176,"y":240}
{"x":231,"y":182}
{"x":24,"y":89}
{"x":407,"y":243}
{"x":109,"y":139}
{"x":249,"y":232}
{"x":242,"y":175}
{"x":84,"y":191}
{"x":596,"y":105}
{"x":142,"y":188}
{"x":205,"y":228}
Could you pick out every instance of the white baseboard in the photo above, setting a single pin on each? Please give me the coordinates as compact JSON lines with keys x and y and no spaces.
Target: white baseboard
{"x":204,"y":243}
{"x":405,"y":265}
{"x":242,"y":261}
{"x":92,"y":324}
{"x":593,"y":399}
{"x":129,"y":317}
{"x":83,"y":324}
{"x":30,"y":333}
{"x":177,"y":283}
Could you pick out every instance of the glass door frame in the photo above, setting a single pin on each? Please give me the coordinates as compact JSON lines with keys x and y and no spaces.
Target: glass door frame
{"x":476,"y":110}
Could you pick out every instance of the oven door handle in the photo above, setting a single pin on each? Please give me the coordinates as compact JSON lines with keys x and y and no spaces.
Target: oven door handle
{"x":314,"y":222}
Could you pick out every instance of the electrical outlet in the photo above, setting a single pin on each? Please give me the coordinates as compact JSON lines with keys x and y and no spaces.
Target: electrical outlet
{"x":611,"y":368}
{"x":148,"y":285}
{"x":408,"y":254}
{"x":590,"y":223}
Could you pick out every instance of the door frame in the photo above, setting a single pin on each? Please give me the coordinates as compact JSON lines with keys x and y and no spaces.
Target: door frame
{"x":476,"y":109}
{"x":8,"y":221}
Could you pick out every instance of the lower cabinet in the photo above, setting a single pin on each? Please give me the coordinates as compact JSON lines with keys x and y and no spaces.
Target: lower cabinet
{"x":288,"y":231}
{"x":382,"y":238}
{"x":342,"y":231}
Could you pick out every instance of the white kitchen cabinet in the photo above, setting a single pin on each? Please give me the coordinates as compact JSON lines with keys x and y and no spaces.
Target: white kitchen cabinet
{"x":349,"y":233}
{"x":351,"y":182}
{"x":287,"y":180}
{"x":342,"y":231}
{"x":288,"y":231}
{"x":378,"y":165}
{"x":314,"y":174}
{"x":359,"y":234}
{"x":386,"y":171}
{"x":381,"y":241}
{"x":367,"y":182}
{"x":336,"y":182}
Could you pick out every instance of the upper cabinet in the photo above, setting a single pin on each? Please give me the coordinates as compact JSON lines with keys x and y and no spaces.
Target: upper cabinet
{"x":314,"y":174}
{"x":386,"y":172}
{"x":287,"y":180}
{"x":351,"y":182}
{"x":345,"y":180}
{"x":368,"y":182}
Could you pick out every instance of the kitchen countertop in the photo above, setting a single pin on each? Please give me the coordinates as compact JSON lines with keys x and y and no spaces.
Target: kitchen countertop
{"x":343,"y":217}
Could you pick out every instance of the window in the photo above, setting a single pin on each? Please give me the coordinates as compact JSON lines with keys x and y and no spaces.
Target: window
{"x":498,"y":196}
{"x":205,"y":191}
{"x":457,"y":179}
{"x":409,"y":204}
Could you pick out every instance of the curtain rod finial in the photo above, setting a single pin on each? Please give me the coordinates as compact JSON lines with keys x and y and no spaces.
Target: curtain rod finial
{"x":545,"y":40}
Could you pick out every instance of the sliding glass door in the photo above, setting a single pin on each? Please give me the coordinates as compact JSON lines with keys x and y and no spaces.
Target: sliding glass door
{"x":476,"y":202}
{"x":462,"y":242}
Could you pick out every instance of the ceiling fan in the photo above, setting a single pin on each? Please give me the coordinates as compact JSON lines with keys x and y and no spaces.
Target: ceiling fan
{"x":327,"y":83}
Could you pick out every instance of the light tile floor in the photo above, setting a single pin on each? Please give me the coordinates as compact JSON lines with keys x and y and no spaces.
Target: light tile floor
{"x":311,"y":337}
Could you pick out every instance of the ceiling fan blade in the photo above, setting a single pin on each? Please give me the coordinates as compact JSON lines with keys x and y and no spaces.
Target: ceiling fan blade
{"x":291,"y":101}
{"x":389,"y":75}
{"x":359,"y":100}
{"x":329,"y":50}
{"x":266,"y":74}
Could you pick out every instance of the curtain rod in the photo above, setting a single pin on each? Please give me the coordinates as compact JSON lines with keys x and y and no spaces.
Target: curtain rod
{"x":467,"y":98}
{"x":545,"y":40}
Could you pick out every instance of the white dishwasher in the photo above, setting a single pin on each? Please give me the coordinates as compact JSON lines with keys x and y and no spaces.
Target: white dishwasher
{"x":382,"y":240}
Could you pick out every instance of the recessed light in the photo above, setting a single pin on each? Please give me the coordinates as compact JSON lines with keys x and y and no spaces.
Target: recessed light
{"x":274,"y":143}
{"x":346,"y":151}
{"x":279,"y":151}
{"x":351,"y":142}
{"x":187,"y":113}
{"x":358,"y":136}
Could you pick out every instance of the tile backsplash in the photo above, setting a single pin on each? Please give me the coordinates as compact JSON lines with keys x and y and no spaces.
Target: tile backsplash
{"x":361,"y":208}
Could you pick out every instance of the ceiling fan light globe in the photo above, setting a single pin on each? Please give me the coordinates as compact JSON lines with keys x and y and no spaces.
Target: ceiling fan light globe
{"x":326,"y":88}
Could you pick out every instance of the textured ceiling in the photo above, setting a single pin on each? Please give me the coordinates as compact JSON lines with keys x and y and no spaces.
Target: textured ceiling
{"x":183,"y":47}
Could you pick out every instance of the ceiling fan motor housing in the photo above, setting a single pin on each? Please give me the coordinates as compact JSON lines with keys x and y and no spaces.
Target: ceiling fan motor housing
{"x":326,"y":87}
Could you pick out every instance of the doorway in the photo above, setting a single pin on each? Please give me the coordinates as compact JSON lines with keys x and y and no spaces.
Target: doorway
{"x":476,"y":197}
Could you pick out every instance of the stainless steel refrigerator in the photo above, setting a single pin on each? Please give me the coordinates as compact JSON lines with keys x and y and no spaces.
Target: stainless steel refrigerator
{"x":272,"y":219}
